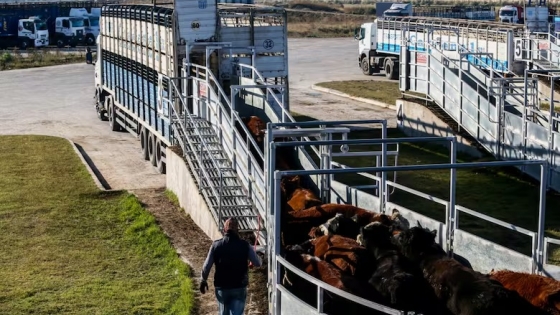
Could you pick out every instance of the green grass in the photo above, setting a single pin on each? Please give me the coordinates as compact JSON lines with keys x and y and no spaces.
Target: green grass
{"x":172,"y":197}
{"x":15,"y":60}
{"x":546,"y":107}
{"x":69,"y":248}
{"x":383,"y":91}
{"x":497,"y":192}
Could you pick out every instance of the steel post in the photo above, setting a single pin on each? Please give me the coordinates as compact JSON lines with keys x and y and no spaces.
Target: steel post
{"x":383,"y":185}
{"x":277,"y":226}
{"x":542,"y":213}
{"x":452,"y":191}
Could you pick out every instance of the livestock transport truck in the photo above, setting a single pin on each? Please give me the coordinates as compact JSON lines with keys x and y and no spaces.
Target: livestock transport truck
{"x":379,"y":42}
{"x":165,"y":74}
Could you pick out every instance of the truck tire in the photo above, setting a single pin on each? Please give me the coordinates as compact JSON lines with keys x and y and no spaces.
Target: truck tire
{"x":159,"y":157}
{"x":90,"y":40}
{"x":112,"y":116}
{"x":98,"y":108}
{"x":152,"y":148}
{"x":60,"y":42}
{"x":24,"y":44}
{"x":144,"y":143}
{"x":391,"y":70}
{"x":366,"y":68}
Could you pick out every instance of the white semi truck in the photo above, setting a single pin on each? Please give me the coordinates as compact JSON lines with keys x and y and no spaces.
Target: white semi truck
{"x":91,"y":23}
{"x":379,"y":42}
{"x":69,"y":31}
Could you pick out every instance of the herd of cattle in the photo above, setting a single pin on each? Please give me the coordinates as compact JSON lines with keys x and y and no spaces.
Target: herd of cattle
{"x":381,"y":258}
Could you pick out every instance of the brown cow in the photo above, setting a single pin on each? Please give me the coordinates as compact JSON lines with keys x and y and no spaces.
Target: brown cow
{"x":257,"y":128}
{"x":329,"y":274}
{"x":302,"y":199}
{"x":344,"y":253}
{"x":541,"y":291}
{"x":327,"y":211}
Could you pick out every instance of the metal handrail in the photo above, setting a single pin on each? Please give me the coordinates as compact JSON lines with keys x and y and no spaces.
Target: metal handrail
{"x":202,"y":145}
{"x":255,"y":71}
{"x":457,"y":90}
{"x":324,"y":286}
{"x":220,"y":105}
{"x":225,"y":97}
{"x":494,"y":71}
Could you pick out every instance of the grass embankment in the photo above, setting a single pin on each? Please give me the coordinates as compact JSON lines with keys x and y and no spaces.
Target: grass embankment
{"x":36,"y":58}
{"x":69,"y":248}
{"x":383,"y":91}
{"x":496,"y":192}
{"x":318,"y":19}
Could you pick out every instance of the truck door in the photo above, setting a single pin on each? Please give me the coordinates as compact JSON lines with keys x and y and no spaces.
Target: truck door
{"x":26,"y":29}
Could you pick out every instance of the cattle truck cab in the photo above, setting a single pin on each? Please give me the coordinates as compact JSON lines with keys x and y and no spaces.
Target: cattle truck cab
{"x":69,"y":31}
{"x":371,"y":58}
{"x":91,"y":24}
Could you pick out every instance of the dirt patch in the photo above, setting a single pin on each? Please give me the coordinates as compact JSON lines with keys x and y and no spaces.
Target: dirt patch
{"x":192,"y":246}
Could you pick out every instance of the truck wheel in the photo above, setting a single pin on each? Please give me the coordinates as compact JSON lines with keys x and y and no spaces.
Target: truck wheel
{"x":391,"y":72}
{"x":366,"y":69}
{"x":159,"y":159}
{"x":24,"y":44}
{"x":152,"y":149}
{"x":73,"y":44}
{"x":144,"y":143}
{"x":98,"y":108}
{"x":90,"y":40}
{"x":60,"y":42}
{"x":112,"y":119}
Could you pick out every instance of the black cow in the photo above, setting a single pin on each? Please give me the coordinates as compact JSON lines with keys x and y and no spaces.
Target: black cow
{"x":463,"y":290}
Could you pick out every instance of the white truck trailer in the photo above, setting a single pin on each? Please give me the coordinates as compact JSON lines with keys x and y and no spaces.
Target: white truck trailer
{"x":379,"y":42}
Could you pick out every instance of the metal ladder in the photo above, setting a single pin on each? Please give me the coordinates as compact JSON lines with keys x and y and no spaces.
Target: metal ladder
{"x":212,"y":171}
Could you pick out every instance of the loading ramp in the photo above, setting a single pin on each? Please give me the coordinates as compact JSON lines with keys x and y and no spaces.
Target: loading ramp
{"x":501,"y":110}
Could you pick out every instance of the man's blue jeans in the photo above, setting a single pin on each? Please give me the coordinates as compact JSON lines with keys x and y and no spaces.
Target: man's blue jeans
{"x":231,"y":301}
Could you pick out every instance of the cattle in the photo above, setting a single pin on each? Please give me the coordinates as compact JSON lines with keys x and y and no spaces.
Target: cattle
{"x":395,"y":277}
{"x":302,"y":199}
{"x":344,"y":253}
{"x":540,"y":291}
{"x":256,"y":128}
{"x":349,"y":226}
{"x":296,"y":225}
{"x":324,"y":212}
{"x":463,"y":290}
{"x":339,"y":225}
{"x":329,"y":274}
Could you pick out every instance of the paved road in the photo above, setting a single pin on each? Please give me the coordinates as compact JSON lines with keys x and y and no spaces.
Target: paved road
{"x":58,"y":101}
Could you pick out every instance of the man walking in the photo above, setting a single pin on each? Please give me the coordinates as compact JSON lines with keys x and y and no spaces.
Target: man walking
{"x":230,"y":254}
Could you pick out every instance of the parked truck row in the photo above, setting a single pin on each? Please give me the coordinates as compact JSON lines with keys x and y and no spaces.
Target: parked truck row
{"x":41,"y":25}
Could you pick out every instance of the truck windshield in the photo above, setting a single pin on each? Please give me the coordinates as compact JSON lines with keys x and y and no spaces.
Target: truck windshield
{"x":77,"y":22}
{"x":41,"y":26}
{"x":507,"y":13}
{"x":94,"y":21}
